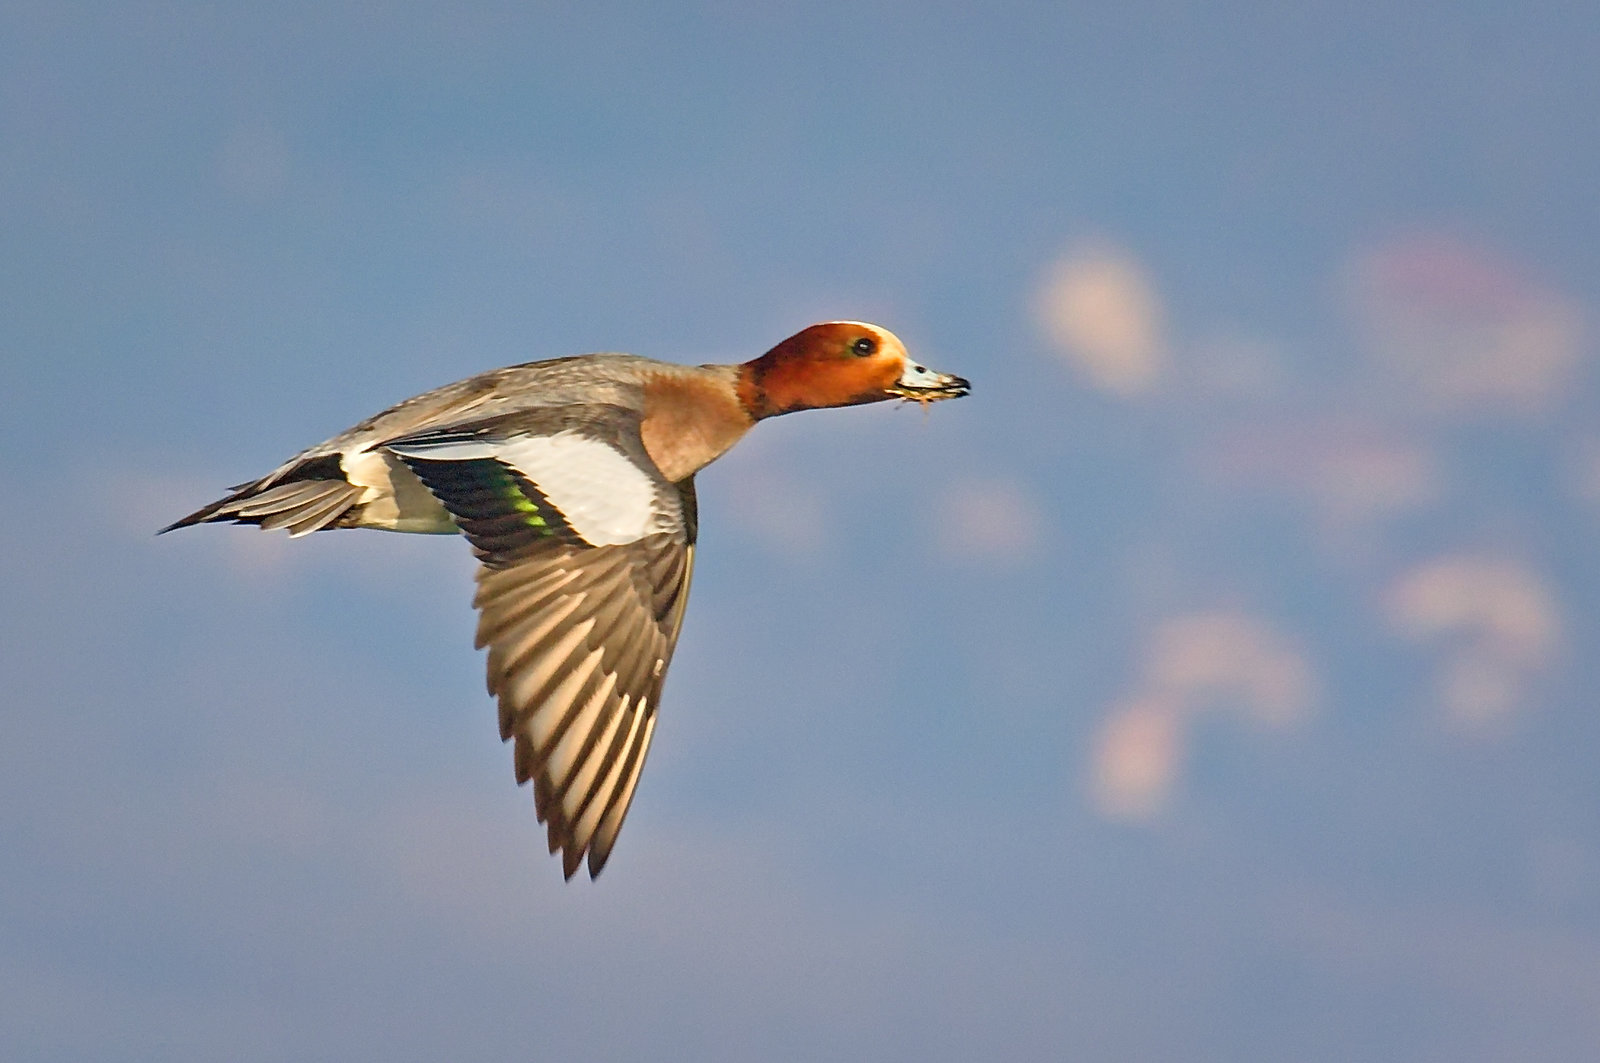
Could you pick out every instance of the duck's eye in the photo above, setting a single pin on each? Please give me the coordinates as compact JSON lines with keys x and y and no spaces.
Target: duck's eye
{"x":864,"y":346}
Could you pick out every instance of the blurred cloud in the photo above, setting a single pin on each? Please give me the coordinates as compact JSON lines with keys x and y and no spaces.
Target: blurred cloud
{"x":1232,"y":660}
{"x":1220,"y":660}
{"x":1460,"y":330}
{"x":1350,"y":470}
{"x":1097,"y":305}
{"x":988,"y":522}
{"x":1499,"y":624}
{"x":1137,"y":757}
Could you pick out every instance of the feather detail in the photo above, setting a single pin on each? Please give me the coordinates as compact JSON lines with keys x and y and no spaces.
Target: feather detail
{"x":579,"y":641}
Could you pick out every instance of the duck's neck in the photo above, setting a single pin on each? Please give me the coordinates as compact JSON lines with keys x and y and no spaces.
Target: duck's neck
{"x":753,"y":378}
{"x":692,"y":417}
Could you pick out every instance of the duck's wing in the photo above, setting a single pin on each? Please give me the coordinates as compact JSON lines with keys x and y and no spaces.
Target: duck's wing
{"x":587,"y":552}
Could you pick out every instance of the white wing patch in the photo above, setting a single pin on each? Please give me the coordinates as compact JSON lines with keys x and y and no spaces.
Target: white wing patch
{"x":605,"y":497}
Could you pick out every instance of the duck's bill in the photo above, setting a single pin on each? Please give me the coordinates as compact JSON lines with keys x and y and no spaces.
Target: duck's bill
{"x":924,"y":385}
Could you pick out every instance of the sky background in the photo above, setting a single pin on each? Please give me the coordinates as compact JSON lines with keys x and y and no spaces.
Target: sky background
{"x":1214,"y":683}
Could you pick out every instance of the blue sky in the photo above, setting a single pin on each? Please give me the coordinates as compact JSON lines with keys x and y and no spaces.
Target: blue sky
{"x":1212,"y":684}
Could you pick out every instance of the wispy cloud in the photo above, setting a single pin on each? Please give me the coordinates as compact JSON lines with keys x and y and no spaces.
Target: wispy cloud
{"x":1218,"y":661}
{"x":1100,"y":310}
{"x":995,"y":521}
{"x":1462,"y":331}
{"x":1497,"y":627}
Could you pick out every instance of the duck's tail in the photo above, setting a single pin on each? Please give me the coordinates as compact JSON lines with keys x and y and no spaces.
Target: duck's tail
{"x":305,"y":497}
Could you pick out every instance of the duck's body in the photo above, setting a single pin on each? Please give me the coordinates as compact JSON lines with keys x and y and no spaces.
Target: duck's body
{"x":687,"y":416}
{"x":574,"y":481}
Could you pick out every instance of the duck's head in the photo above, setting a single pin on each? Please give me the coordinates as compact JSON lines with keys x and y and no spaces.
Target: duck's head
{"x":839,"y":363}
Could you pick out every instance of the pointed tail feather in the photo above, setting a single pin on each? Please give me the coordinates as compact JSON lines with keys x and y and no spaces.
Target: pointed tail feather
{"x":220,"y":510}
{"x":304,"y":499}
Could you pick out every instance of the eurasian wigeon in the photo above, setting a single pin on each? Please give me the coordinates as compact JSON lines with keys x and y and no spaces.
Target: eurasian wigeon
{"x":573,"y":479}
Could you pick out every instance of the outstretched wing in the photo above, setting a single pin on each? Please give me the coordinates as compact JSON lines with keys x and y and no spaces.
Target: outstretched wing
{"x":587,"y":553}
